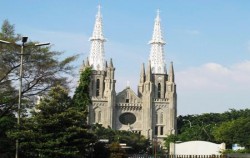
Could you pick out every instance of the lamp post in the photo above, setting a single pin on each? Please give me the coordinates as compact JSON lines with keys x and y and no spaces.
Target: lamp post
{"x":22,"y":45}
{"x":190,"y":124}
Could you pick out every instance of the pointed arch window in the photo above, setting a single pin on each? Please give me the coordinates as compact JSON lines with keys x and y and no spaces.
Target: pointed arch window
{"x":99,"y":116}
{"x":161,"y":118}
{"x":94,"y":116}
{"x":156,"y":130}
{"x":156,"y":118}
{"x":161,"y":130}
{"x":159,"y":90}
{"x":127,"y":98}
{"x":97,"y":87}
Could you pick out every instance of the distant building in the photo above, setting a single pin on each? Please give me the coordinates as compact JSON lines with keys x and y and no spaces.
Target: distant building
{"x":152,"y":111}
{"x":237,"y":147}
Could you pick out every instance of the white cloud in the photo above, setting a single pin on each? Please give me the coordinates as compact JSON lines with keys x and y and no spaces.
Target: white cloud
{"x":213,"y":87}
{"x":213,"y":76}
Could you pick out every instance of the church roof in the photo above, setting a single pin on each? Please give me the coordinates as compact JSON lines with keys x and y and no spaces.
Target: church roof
{"x":127,"y":93}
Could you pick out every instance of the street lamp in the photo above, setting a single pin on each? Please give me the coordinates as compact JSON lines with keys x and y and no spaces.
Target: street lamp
{"x":190,"y":124}
{"x":22,"y":45}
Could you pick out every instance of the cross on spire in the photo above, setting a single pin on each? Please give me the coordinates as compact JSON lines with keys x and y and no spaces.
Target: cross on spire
{"x":99,"y":10}
{"x":158,"y":12}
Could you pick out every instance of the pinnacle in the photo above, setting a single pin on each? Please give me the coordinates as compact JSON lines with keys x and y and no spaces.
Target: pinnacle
{"x":142,"y":76}
{"x":111,"y":63}
{"x":171,"y":72}
{"x":149,"y":72}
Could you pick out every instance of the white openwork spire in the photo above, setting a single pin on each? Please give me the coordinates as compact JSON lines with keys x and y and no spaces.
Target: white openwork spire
{"x":157,"y":51}
{"x":96,"y":57}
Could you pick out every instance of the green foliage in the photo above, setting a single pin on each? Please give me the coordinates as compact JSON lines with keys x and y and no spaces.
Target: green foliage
{"x":138,"y":143}
{"x":81,"y":97}
{"x":56,"y":129}
{"x":234,"y":132}
{"x":116,"y":151}
{"x":229,"y":127}
{"x":230,"y":151}
{"x":170,"y":139}
{"x":41,"y":69}
{"x":7,"y":146}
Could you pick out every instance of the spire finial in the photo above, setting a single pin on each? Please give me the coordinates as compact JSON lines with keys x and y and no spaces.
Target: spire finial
{"x":99,"y":10}
{"x":158,"y":14}
{"x":128,"y":84}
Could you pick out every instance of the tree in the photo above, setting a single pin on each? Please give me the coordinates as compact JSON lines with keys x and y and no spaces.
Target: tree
{"x":170,"y":139}
{"x":81,"y":97}
{"x":116,"y":151}
{"x":202,"y":127}
{"x":7,"y":146}
{"x":56,"y":129}
{"x":136,"y":142}
{"x":42,"y":69}
{"x":234,"y":132}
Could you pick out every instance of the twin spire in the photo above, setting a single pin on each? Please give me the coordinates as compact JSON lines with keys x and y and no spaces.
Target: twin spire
{"x":97,"y":58}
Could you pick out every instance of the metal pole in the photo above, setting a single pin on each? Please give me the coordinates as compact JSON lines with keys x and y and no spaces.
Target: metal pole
{"x":20,"y":98}
{"x":190,"y":123}
{"x":155,"y":148}
{"x":24,"y":40}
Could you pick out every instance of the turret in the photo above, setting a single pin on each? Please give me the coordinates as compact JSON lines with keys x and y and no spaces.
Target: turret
{"x":172,"y":97}
{"x":87,"y":62}
{"x":106,"y":65}
{"x":142,"y":80}
{"x":111,"y":63}
{"x":142,"y":75}
{"x":171,"y":73}
{"x":149,"y":73}
{"x":110,"y":70}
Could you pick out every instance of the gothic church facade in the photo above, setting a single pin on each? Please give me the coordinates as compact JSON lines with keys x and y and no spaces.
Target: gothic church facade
{"x":152,"y":111}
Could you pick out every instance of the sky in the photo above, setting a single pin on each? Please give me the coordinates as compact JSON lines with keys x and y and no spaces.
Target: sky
{"x":207,"y":40}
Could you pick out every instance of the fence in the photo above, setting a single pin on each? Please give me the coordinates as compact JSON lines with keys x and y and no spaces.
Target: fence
{"x":190,"y":156}
{"x":197,"y":156}
{"x":211,"y":156}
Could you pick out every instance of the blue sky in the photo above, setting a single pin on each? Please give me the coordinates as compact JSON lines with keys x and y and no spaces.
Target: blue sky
{"x":208,"y":41}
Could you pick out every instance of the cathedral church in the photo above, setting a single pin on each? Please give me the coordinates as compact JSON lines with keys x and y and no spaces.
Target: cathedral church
{"x":152,"y":110}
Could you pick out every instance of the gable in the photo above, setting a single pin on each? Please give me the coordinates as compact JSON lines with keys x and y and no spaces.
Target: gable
{"x":127,"y":96}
